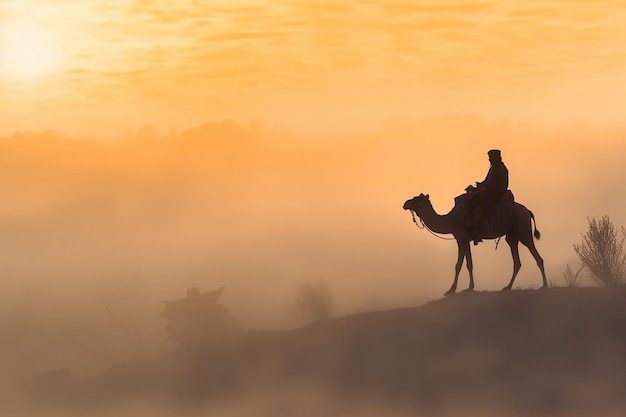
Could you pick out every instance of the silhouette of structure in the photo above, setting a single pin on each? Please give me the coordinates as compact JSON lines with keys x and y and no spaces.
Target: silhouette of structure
{"x":510,"y":219}
{"x":198,"y":321}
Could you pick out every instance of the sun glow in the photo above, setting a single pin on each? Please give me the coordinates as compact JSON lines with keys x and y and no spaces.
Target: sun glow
{"x":27,"y":54}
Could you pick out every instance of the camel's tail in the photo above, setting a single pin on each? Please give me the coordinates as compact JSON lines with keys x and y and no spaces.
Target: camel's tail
{"x":536,"y":233}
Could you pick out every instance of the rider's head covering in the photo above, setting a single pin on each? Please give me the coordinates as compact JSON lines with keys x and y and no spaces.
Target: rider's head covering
{"x":494,"y":153}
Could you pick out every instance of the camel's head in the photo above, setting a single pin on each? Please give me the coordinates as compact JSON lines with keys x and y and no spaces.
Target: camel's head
{"x":417,"y":202}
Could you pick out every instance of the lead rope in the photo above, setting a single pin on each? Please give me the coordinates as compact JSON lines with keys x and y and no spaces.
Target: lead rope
{"x":415,"y":220}
{"x":423,"y":226}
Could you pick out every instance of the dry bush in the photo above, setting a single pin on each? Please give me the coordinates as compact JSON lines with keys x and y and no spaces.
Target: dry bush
{"x":314,"y":301}
{"x":601,"y":252}
{"x":573,"y":279}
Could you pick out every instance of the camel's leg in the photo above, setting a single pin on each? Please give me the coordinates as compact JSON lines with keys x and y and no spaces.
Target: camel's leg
{"x":517,"y":264}
{"x":470,"y":265}
{"x":529,"y":242}
{"x":457,"y":270}
{"x":539,"y":259}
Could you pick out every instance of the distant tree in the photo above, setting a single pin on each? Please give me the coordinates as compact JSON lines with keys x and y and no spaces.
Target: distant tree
{"x":314,"y":301}
{"x":572,"y":279}
{"x":602,"y":253}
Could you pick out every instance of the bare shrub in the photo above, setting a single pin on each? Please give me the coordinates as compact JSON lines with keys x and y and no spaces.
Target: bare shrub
{"x":314,"y":301}
{"x":602,"y":252}
{"x":573,"y":279}
{"x":552,"y":283}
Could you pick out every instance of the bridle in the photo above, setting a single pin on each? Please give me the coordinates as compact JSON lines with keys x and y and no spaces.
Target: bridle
{"x":422,"y":225}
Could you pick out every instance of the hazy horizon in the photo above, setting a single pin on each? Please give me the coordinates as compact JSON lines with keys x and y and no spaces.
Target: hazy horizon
{"x":91,"y":226}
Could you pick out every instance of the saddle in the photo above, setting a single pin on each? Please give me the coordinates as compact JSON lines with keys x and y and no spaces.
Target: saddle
{"x":484,"y":218}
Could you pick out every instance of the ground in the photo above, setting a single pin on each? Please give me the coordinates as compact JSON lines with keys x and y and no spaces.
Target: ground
{"x":558,"y":351}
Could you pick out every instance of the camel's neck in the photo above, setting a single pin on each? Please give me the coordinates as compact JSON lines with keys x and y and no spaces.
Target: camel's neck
{"x":436,"y":222}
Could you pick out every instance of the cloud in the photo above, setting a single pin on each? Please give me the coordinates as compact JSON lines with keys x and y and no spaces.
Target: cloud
{"x":143,"y":59}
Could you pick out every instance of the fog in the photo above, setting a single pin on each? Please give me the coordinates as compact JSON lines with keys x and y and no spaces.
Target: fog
{"x":97,"y":234}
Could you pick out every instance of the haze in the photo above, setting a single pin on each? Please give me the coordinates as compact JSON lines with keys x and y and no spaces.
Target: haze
{"x":147,"y":147}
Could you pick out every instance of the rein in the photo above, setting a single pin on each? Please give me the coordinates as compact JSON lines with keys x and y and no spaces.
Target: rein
{"x":423,"y":226}
{"x":415,"y":220}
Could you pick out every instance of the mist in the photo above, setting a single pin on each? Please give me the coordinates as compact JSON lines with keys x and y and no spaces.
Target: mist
{"x":97,"y":234}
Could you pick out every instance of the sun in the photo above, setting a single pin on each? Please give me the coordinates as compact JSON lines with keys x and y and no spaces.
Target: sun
{"x":27,"y":54}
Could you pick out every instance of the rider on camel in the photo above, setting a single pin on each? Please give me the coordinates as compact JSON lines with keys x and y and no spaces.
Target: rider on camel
{"x":487,"y":193}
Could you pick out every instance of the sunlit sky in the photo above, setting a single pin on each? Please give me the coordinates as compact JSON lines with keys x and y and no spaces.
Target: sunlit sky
{"x":102,"y":66}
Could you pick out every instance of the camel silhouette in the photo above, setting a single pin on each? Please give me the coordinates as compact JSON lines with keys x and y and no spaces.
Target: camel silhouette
{"x":516,"y":227}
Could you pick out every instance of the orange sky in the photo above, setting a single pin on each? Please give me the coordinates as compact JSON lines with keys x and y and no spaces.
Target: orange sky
{"x":99,"y":67}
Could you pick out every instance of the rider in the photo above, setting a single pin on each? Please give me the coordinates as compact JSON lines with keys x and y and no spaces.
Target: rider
{"x":487,"y":193}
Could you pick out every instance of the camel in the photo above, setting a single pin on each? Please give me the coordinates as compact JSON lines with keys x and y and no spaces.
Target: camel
{"x":516,"y":228}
